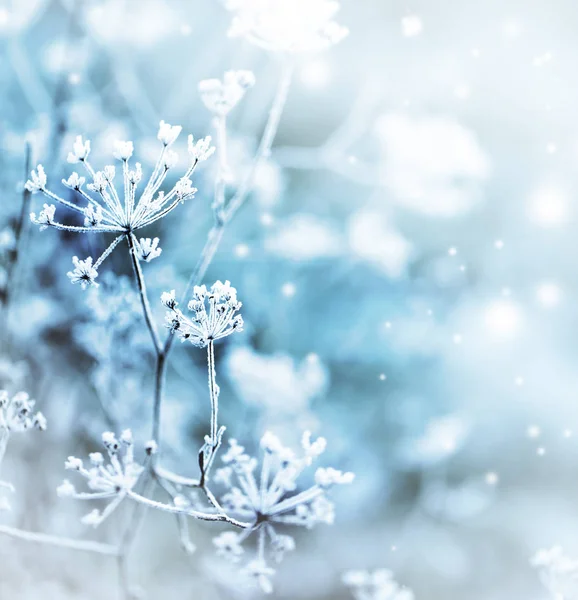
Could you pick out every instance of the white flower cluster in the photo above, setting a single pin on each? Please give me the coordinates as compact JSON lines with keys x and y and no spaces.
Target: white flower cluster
{"x":376,"y":585}
{"x":214,"y":314}
{"x":281,"y":26}
{"x":558,"y":573}
{"x":16,"y":413}
{"x":110,"y":210}
{"x":106,"y":480}
{"x":271,"y":499}
{"x":220,"y":97}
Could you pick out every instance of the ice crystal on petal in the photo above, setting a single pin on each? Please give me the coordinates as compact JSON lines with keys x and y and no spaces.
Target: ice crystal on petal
{"x":376,"y":585}
{"x":111,"y":479}
{"x":148,"y":249}
{"x":201,"y":149}
{"x":278,"y":25}
{"x":269,"y":499}
{"x":74,"y":182}
{"x":220,"y":97}
{"x":84,"y":272}
{"x":213,"y":314}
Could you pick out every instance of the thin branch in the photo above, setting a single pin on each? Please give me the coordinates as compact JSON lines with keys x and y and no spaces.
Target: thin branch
{"x":53,"y":540}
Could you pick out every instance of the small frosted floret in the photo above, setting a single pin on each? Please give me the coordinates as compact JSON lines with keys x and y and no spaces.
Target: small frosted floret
{"x":269,"y":497}
{"x":17,"y":413}
{"x":220,"y":97}
{"x":110,"y":208}
{"x":148,"y":249}
{"x":375,"y":585}
{"x":282,"y":26}
{"x":84,"y":272}
{"x":558,"y":573}
{"x":213,"y":314}
{"x":45,"y":217}
{"x":111,"y":479}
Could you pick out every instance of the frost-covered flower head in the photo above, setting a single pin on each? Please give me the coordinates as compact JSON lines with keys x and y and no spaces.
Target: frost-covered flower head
{"x":213,"y":314}
{"x":220,"y":97}
{"x":270,"y":499}
{"x":109,"y":208}
{"x":376,"y":585}
{"x":558,"y":573}
{"x":282,"y":26}
{"x":16,"y":413}
{"x":112,"y":479}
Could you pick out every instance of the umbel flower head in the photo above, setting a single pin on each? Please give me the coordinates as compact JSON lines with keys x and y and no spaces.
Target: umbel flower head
{"x":213,"y":314}
{"x":270,"y":499}
{"x":282,"y":26}
{"x":220,"y":97}
{"x":558,"y":573}
{"x":109,"y":208}
{"x":112,"y":479}
{"x":376,"y":585}
{"x":16,"y":413}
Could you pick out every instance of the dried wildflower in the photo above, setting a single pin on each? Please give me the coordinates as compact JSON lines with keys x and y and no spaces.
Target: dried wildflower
{"x":213,"y":314}
{"x":16,"y":413}
{"x":558,"y":573}
{"x":376,"y":585}
{"x":220,"y":97}
{"x":281,"y":26}
{"x":108,"y":210}
{"x":106,"y":480}
{"x":272,"y":500}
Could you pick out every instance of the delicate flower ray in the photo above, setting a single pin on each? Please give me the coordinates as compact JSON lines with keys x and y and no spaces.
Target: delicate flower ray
{"x":558,"y":573}
{"x":213,"y":314}
{"x":113,"y":480}
{"x":105,"y":211}
{"x":280,"y":26}
{"x":270,"y":499}
{"x":376,"y":585}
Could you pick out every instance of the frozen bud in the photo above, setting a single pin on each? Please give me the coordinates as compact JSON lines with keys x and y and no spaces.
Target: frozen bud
{"x":123,"y":150}
{"x":327,"y":477}
{"x":37,"y":180}
{"x":313,"y":449}
{"x":171,"y":159}
{"x":65,"y":489}
{"x":135,"y":176}
{"x":96,"y":458}
{"x":110,"y":442}
{"x":169,"y":300}
{"x":201,"y":149}
{"x":220,"y":97}
{"x":151,"y":447}
{"x":271,"y":443}
{"x":80,"y":151}
{"x":73,"y":464}
{"x":93,"y":518}
{"x":262,"y":573}
{"x":109,"y":172}
{"x":99,"y":183}
{"x":147,"y":249}
{"x":45,"y":218}
{"x":228,"y":546}
{"x":184,"y":188}
{"x":84,"y":273}
{"x":92,"y":215}
{"x":168,"y":133}
{"x":39,"y":421}
{"x":74,"y":182}
{"x":126,"y":437}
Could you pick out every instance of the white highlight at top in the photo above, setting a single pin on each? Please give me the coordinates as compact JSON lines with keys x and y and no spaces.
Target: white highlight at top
{"x":503,"y":319}
{"x":549,"y":207}
{"x":548,"y":294}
